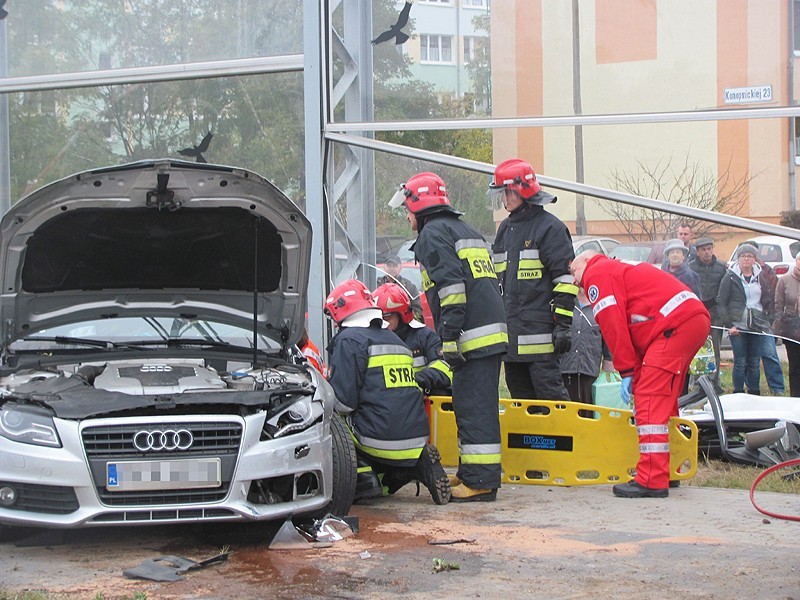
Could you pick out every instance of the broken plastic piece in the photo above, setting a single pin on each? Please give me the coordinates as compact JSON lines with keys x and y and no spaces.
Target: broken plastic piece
{"x":167,"y":568}
{"x":439,"y":565}
{"x":365,"y":554}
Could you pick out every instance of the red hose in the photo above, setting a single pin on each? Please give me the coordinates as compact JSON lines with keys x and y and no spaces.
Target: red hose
{"x":772,"y":469}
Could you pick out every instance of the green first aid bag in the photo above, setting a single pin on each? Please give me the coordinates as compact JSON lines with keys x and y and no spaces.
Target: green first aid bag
{"x":606,"y":391}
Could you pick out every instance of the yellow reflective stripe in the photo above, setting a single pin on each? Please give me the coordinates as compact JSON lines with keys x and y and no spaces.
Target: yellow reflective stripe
{"x":412,"y":453}
{"x":566,"y":288}
{"x":483,"y":341}
{"x":389,"y":360}
{"x":426,"y":281}
{"x":366,"y":469}
{"x":453,"y":299}
{"x":530,"y":263}
{"x":500,"y":267}
{"x":398,"y":369}
{"x":480,"y":459}
{"x":440,"y":365}
{"x":563,"y":311}
{"x":536,"y":349}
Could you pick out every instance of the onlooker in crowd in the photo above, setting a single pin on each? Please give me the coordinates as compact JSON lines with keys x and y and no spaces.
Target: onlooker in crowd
{"x":393,"y":270}
{"x":531,"y":253}
{"x":654,"y":326}
{"x":685,"y":235}
{"x":580,"y":366}
{"x":430,"y":371}
{"x":371,"y":372}
{"x":710,"y":271}
{"x":676,"y":255}
{"x":787,"y":296}
{"x":773,"y":371}
{"x":745,"y":303}
{"x":464,"y":297}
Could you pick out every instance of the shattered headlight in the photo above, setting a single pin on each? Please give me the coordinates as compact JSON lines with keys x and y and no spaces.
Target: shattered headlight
{"x":28,"y":425}
{"x":295,"y":417}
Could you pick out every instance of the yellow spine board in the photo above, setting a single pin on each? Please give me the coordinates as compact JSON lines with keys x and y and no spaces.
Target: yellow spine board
{"x":566,"y":443}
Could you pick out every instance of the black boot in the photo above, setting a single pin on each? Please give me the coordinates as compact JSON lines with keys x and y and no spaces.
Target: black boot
{"x":429,"y":472}
{"x":633,"y":489}
{"x":368,"y":486}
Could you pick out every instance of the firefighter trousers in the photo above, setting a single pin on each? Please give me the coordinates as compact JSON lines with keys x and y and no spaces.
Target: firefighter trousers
{"x":657,"y":384}
{"x":476,"y":402}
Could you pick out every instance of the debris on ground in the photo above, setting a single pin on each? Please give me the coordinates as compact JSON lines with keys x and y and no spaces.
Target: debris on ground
{"x":318,"y":533}
{"x":447,"y":542}
{"x":169,"y":568}
{"x":440,"y":565}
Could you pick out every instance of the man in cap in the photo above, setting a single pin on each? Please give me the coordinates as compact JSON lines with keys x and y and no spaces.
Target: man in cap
{"x":710,"y":271}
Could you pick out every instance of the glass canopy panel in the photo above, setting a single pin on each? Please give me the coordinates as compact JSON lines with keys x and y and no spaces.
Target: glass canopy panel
{"x":60,"y":36}
{"x":256,"y":123}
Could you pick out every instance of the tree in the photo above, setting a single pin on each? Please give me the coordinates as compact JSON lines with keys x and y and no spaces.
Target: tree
{"x":686,"y":184}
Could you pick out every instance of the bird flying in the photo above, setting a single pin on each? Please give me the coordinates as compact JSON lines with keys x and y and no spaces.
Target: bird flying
{"x":197,"y":151}
{"x":394,"y":30}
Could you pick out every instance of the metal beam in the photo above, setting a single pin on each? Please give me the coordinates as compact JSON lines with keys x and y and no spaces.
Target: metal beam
{"x":725,"y":114}
{"x":198,"y":70}
{"x":569,"y":186}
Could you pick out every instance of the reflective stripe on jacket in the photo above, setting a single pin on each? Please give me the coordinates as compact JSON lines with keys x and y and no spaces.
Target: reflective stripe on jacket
{"x":461,"y":285}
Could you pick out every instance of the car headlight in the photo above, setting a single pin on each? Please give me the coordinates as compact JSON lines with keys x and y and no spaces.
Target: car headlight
{"x":296,"y":417}
{"x":28,"y":426}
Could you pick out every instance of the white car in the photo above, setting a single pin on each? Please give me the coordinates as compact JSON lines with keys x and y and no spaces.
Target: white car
{"x":581,"y":243}
{"x":148,"y":370}
{"x":778,"y":252}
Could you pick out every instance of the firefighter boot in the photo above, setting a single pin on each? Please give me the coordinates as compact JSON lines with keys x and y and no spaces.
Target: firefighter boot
{"x":464,"y":493}
{"x":368,"y":486}
{"x":429,"y":472}
{"x":634,"y":489}
{"x":453,"y":480}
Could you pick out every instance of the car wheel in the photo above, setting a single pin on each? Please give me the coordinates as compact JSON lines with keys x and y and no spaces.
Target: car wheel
{"x":344,"y":470}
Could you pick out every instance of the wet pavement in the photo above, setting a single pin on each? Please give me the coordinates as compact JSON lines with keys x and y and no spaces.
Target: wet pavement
{"x":535,"y":541}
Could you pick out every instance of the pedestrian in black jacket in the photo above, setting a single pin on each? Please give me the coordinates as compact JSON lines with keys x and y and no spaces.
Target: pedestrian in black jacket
{"x":710,"y":271}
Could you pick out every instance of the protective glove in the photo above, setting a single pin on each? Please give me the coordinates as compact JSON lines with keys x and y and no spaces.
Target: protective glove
{"x":452,"y":356}
{"x":562,"y":337}
{"x":425,"y":379}
{"x":625,"y":389}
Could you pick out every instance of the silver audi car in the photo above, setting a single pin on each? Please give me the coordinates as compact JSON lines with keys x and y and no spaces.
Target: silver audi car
{"x":149,"y":371}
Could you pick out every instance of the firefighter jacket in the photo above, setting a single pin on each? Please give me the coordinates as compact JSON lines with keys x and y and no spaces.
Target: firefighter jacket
{"x":372,"y":375}
{"x":634,"y":304}
{"x":532,"y":253}
{"x":426,"y":345}
{"x":461,"y":286}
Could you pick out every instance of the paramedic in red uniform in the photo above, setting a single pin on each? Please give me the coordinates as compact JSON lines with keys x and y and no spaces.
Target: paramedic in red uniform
{"x":654,"y":325}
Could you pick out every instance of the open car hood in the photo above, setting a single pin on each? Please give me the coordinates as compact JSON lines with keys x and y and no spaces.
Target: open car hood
{"x":153,"y":238}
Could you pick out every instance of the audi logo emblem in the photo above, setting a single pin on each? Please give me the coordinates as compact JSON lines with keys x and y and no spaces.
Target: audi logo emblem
{"x":171,"y":439}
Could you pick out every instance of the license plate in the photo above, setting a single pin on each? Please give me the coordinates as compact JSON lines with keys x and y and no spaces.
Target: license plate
{"x":163,"y":474}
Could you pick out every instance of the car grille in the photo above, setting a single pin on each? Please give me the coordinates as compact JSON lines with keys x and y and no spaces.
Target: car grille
{"x":111,"y":443}
{"x":50,"y":499}
{"x":115,"y":442}
{"x":164,"y":515}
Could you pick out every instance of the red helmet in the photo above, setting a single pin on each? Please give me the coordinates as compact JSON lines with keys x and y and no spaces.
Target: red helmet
{"x":391,"y":298}
{"x":516,"y":175}
{"x":348,"y":298}
{"x":421,"y":192}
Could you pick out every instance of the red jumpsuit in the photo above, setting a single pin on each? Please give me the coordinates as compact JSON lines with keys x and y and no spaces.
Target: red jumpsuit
{"x":654,"y":326}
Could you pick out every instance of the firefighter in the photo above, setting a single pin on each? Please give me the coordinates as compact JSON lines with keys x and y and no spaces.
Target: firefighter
{"x":371,"y":372}
{"x":461,"y":287}
{"x":430,"y":371}
{"x":531,"y":254}
{"x":654,"y":325}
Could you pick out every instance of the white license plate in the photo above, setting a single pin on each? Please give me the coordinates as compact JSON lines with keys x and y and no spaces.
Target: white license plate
{"x":163,"y":474}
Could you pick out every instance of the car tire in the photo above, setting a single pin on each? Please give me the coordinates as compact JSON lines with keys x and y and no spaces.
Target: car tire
{"x":344,"y":470}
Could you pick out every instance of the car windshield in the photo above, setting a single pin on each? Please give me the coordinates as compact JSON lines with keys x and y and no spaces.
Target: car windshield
{"x":639,"y":253}
{"x":143,"y":331}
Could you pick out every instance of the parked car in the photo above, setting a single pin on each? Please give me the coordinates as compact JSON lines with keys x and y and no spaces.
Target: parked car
{"x":637,"y":252}
{"x":136,"y":383}
{"x":581,"y":243}
{"x":778,"y":252}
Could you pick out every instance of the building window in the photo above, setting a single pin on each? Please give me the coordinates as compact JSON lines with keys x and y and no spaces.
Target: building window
{"x":469,"y":49}
{"x":797,"y":140}
{"x":437,"y":2}
{"x":436,"y":49}
{"x":474,"y":3}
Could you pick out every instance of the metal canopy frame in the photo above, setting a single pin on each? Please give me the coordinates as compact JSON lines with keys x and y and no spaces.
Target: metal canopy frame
{"x":351,"y":145}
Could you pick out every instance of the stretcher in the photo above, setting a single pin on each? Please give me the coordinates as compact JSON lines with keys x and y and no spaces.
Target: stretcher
{"x":565,"y":443}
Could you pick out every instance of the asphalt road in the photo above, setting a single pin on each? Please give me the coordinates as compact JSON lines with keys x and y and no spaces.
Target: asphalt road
{"x":534,"y":542}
